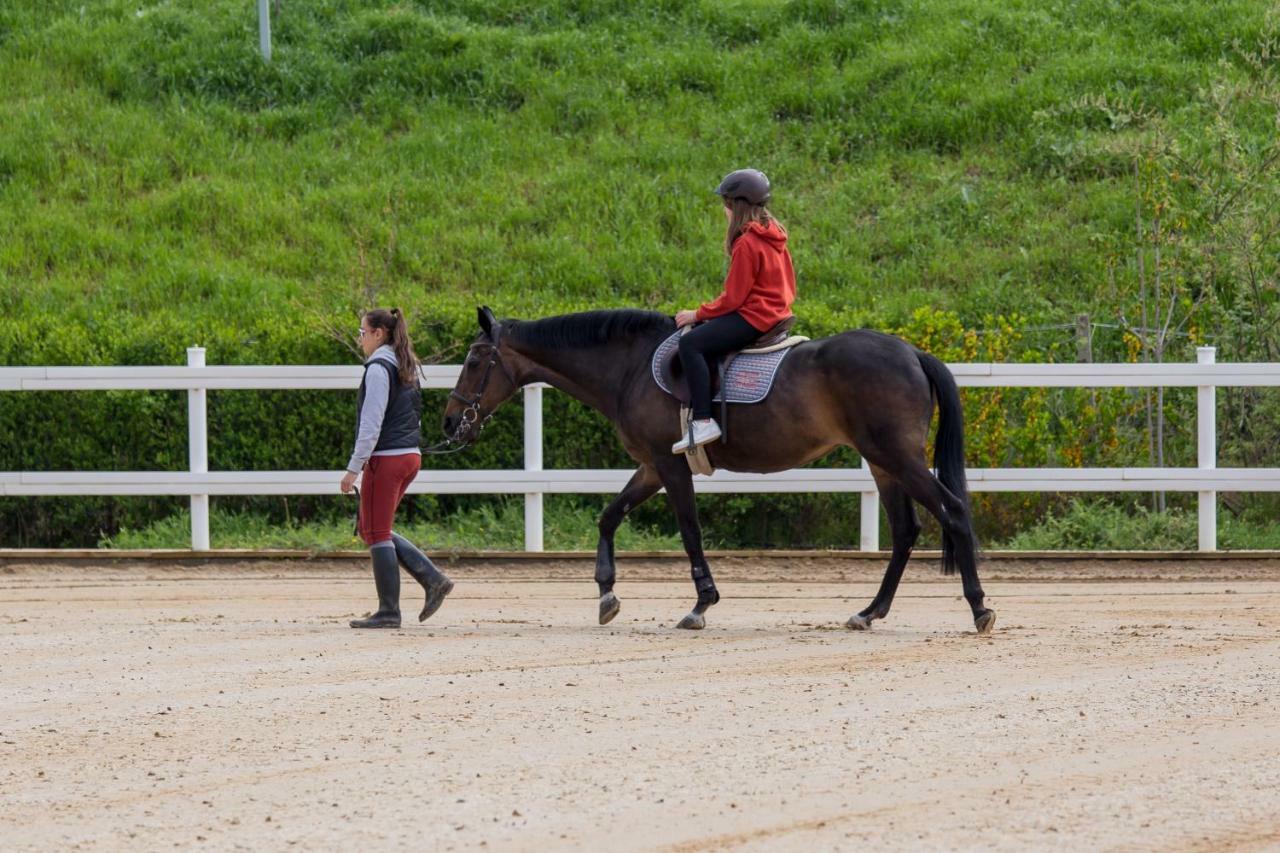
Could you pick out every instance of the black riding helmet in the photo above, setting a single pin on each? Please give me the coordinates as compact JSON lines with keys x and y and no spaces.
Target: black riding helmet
{"x":748,"y":184}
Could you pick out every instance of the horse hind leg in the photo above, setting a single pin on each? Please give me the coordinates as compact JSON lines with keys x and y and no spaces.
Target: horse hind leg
{"x":953,"y":516}
{"x":904,"y":527}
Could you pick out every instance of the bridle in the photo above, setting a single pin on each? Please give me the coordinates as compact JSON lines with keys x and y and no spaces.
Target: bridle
{"x":471,"y":417}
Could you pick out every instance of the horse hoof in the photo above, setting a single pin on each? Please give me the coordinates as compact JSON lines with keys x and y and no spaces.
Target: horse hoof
{"x":858,"y":622}
{"x":609,"y":607}
{"x":693,"y":622}
{"x":985,"y":622}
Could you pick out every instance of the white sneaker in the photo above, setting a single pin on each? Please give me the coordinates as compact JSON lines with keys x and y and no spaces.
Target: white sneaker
{"x":704,"y":432}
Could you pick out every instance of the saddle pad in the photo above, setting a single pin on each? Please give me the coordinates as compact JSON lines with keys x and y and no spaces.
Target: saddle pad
{"x":748,"y":379}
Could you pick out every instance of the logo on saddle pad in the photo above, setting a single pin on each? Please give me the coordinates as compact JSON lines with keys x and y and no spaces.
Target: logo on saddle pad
{"x":747,"y":380}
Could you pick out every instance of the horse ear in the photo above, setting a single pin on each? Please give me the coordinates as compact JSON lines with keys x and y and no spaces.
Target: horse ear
{"x":487,"y":321}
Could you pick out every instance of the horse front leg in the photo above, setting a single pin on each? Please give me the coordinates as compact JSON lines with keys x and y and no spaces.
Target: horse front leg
{"x":644,"y":484}
{"x":678,"y":481}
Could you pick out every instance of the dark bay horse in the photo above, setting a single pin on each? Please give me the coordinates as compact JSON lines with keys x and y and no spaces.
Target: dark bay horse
{"x":863,"y":389}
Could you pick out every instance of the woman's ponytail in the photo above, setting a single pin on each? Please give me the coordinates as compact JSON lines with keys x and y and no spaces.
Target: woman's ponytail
{"x":397,"y":329}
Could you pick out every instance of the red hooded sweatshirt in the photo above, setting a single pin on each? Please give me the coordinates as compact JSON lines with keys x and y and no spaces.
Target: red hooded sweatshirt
{"x":761,"y":284}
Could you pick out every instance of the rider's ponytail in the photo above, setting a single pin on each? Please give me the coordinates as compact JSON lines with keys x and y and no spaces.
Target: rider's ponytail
{"x":397,"y":329}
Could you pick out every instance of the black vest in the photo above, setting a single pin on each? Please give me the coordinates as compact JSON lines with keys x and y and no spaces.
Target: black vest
{"x":402,"y":423}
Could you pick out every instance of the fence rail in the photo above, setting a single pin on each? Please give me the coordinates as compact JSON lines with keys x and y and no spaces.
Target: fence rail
{"x":340,"y":377}
{"x":199,"y":483}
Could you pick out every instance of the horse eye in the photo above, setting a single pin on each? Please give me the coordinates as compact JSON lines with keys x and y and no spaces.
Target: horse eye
{"x":473,"y":362}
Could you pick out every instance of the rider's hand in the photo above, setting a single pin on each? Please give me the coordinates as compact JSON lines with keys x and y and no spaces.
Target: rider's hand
{"x":348,"y":482}
{"x":686,"y":318}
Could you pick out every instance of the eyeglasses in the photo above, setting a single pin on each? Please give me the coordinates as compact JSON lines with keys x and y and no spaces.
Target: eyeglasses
{"x":360,"y":333}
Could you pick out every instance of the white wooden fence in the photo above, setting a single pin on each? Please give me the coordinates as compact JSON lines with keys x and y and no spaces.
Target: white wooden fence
{"x":533,"y":482}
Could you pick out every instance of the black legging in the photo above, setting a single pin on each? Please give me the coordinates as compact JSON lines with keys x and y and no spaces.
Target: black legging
{"x":701,"y":347}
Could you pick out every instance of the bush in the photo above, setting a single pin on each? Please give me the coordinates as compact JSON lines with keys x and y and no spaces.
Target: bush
{"x":1087,"y":525}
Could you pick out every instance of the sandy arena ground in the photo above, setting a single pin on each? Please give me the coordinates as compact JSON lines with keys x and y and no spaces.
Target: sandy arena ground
{"x":150,"y":707}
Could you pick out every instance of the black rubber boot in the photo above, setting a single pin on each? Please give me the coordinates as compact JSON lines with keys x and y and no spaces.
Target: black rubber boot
{"x":419,"y":565}
{"x":386,"y":578}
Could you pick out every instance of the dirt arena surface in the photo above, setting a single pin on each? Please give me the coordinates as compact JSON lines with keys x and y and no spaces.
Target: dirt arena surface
{"x":147,"y":706}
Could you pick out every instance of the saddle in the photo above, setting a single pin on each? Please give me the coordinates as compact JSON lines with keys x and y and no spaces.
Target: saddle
{"x":744,"y":376}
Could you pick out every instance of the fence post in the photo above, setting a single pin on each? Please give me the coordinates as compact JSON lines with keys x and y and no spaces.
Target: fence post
{"x":1207,"y":451}
{"x":198,"y":452}
{"x":264,"y":29}
{"x":533,"y":462}
{"x":1084,"y":339}
{"x":870,"y":517}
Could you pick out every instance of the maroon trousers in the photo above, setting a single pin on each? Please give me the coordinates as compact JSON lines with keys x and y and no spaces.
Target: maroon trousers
{"x":386,"y":479}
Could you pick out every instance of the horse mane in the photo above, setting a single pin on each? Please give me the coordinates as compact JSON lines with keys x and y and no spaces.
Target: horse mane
{"x":588,"y":328}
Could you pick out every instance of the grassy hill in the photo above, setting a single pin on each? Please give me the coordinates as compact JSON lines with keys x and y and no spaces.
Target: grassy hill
{"x":160,"y":185}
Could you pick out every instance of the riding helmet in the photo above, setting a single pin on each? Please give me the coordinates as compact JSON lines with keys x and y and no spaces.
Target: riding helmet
{"x":749,"y":184}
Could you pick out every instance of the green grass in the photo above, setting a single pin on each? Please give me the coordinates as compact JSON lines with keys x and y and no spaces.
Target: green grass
{"x":1083,"y":525}
{"x":496,"y":526}
{"x":1101,"y":525}
{"x":550,"y":156}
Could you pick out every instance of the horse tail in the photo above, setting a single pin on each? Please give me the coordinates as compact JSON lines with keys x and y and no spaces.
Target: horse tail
{"x":948,"y":446}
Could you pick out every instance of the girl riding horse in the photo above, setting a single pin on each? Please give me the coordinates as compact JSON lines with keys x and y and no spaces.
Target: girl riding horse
{"x":758,"y":292}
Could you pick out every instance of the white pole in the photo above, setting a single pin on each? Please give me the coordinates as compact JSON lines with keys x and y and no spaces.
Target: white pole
{"x":1207,"y":451}
{"x":198,"y":452}
{"x":870,"y":517}
{"x":264,"y":28}
{"x":533,"y":462}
